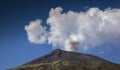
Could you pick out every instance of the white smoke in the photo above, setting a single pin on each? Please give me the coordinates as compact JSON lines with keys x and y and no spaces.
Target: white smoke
{"x":36,"y":33}
{"x":72,"y":30}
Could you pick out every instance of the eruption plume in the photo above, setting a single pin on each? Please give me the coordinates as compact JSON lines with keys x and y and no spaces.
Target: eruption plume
{"x":72,"y":30}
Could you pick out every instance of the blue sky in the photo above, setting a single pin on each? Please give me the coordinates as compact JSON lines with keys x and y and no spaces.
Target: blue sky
{"x":15,"y":49}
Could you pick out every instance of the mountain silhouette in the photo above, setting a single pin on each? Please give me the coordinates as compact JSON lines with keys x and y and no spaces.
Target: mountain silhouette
{"x":66,"y":60}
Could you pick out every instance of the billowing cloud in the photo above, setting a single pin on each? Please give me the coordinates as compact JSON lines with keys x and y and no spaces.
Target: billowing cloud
{"x":36,"y":33}
{"x":72,"y":30}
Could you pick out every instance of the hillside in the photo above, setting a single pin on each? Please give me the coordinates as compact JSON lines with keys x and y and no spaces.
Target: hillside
{"x":64,"y":60}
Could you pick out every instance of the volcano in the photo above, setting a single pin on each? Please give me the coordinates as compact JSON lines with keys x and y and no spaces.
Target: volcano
{"x":66,"y":60}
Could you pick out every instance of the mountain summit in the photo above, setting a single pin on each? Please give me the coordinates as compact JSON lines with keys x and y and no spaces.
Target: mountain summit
{"x":65,"y":60}
{"x":58,"y":54}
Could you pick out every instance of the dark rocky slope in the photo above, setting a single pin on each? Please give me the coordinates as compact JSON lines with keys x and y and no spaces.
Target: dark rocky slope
{"x":64,"y":60}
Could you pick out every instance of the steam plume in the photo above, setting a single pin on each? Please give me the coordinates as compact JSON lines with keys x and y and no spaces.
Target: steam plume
{"x":72,"y":30}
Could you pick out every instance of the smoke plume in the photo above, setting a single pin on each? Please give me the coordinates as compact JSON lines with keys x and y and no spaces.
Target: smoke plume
{"x":72,"y":30}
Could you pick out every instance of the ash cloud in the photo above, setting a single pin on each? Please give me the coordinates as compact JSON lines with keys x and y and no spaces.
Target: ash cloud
{"x":72,"y":30}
